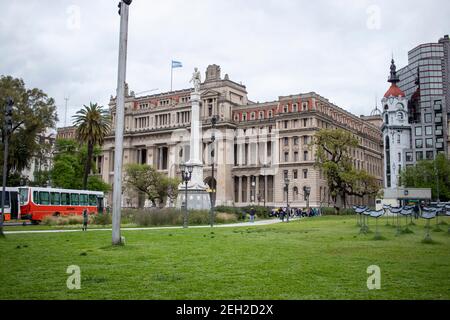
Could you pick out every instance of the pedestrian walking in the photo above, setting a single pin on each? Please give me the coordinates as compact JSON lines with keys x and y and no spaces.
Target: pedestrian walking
{"x":85,"y":219}
{"x":252,"y":214}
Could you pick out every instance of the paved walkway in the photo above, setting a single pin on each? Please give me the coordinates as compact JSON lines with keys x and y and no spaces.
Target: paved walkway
{"x":242,"y":224}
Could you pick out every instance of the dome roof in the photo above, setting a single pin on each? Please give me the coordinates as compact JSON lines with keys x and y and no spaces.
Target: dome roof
{"x":394,"y":91}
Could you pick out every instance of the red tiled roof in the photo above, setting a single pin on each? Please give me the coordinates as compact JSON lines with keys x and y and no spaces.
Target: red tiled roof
{"x":394,"y":91}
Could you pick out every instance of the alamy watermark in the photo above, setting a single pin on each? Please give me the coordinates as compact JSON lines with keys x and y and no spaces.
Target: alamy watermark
{"x":74,"y":280}
{"x":374,"y":280}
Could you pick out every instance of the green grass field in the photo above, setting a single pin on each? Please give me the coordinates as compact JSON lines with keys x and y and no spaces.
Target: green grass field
{"x":314,"y":258}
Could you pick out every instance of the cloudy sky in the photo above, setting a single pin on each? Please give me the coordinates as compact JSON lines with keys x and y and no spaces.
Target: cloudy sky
{"x":340,"y":49}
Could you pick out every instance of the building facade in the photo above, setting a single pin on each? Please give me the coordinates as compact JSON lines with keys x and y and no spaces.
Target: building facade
{"x":425,"y":83}
{"x":257,"y":145}
{"x":396,"y":131}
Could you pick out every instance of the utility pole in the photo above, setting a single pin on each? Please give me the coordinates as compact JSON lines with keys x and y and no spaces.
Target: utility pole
{"x":120,"y":115}
{"x":65,"y":112}
{"x":6,"y":132}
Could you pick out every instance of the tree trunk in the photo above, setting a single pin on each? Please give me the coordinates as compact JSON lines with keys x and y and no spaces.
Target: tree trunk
{"x":87,"y":167}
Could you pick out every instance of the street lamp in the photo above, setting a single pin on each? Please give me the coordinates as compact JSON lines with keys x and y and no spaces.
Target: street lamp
{"x":307,"y":191}
{"x":8,"y":128}
{"x":252,"y":198}
{"x":213,"y":183}
{"x":286,"y":184}
{"x":186,"y":174}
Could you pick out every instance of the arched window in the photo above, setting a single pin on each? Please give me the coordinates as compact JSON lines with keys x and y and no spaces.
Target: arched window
{"x":252,"y":116}
{"x":285,"y":108}
{"x":270,"y":113}
{"x":261,"y":115}
{"x":295,"y":107}
{"x":244,"y":116}
{"x":400,"y":116}
{"x":295,"y":194}
{"x":386,"y":118}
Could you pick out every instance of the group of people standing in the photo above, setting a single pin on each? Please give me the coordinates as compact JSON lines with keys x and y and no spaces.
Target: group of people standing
{"x":286,"y":213}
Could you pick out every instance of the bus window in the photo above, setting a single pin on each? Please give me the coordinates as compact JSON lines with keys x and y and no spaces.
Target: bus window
{"x":36,"y":197}
{"x":74,"y":199}
{"x":6,"y":197}
{"x":44,"y":197}
{"x":84,"y":200}
{"x":23,"y":195}
{"x":92,"y":200}
{"x":55,"y":198}
{"x":65,"y":199}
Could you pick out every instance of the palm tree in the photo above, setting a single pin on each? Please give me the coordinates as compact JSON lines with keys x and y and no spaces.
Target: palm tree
{"x":93,"y":124}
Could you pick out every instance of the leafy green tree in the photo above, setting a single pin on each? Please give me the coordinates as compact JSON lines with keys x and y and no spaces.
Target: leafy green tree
{"x":333,"y":156}
{"x":68,"y":165}
{"x":34,"y":112}
{"x":155,"y":185}
{"x":434,"y":174}
{"x":93,"y":124}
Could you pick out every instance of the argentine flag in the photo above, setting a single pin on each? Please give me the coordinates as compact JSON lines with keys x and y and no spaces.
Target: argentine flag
{"x":176,"y":64}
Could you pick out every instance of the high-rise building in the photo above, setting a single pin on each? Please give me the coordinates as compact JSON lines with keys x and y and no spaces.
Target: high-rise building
{"x":257,"y":146}
{"x":425,"y":82}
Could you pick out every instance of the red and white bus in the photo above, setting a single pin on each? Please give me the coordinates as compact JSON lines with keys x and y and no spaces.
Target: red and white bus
{"x":37,"y":202}
{"x":12,"y":208}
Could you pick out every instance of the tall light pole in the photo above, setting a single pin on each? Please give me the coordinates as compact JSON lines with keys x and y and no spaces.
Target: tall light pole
{"x":186,"y":175}
{"x":286,"y":183}
{"x":6,"y":132}
{"x":120,"y":115}
{"x":213,"y":183}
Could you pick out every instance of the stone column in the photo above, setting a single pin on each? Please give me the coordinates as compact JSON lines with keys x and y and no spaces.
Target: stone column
{"x":265,"y":189}
{"x":239,"y":199}
{"x":249,"y":182}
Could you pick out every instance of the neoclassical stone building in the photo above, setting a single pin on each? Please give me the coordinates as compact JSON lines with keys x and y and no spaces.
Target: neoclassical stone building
{"x":257,"y":145}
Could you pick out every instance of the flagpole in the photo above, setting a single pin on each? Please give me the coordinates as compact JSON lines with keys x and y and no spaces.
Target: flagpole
{"x":171,"y":75}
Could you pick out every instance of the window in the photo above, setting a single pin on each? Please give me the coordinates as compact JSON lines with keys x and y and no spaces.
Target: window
{"x":399,"y":156}
{"x":429,"y":155}
{"x":398,"y":138}
{"x":92,"y":200}
{"x":305,"y":122}
{"x":427,"y":117}
{"x":244,"y":116}
{"x":418,"y":131}
{"x":285,"y":124}
{"x":295,"y":193}
{"x":419,"y":143}
{"x":286,"y":141}
{"x":428,"y":130}
{"x":252,"y":116}
{"x":400,"y":116}
{"x":305,"y":173}
{"x":36,"y":197}
{"x":285,"y":174}
{"x":55,"y":198}
{"x":295,"y":174}
{"x":295,"y":141}
{"x":84,"y":200}
{"x":74,"y":199}
{"x":386,"y":118}
{"x":261,"y":114}
{"x":409,"y":156}
{"x":270,"y":114}
{"x":429,"y":143}
{"x":285,"y":109}
{"x":44,"y":197}
{"x":295,"y":156}
{"x":305,"y":140}
{"x":286,"y":156}
{"x":65,"y":199}
{"x":305,"y":155}
{"x":419,"y":155}
{"x":295,"y":107}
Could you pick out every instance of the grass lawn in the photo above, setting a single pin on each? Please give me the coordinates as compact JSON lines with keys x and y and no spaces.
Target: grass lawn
{"x":314,"y":258}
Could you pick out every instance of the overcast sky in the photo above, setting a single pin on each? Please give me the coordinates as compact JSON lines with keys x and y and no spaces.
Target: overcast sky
{"x":339,"y":49}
